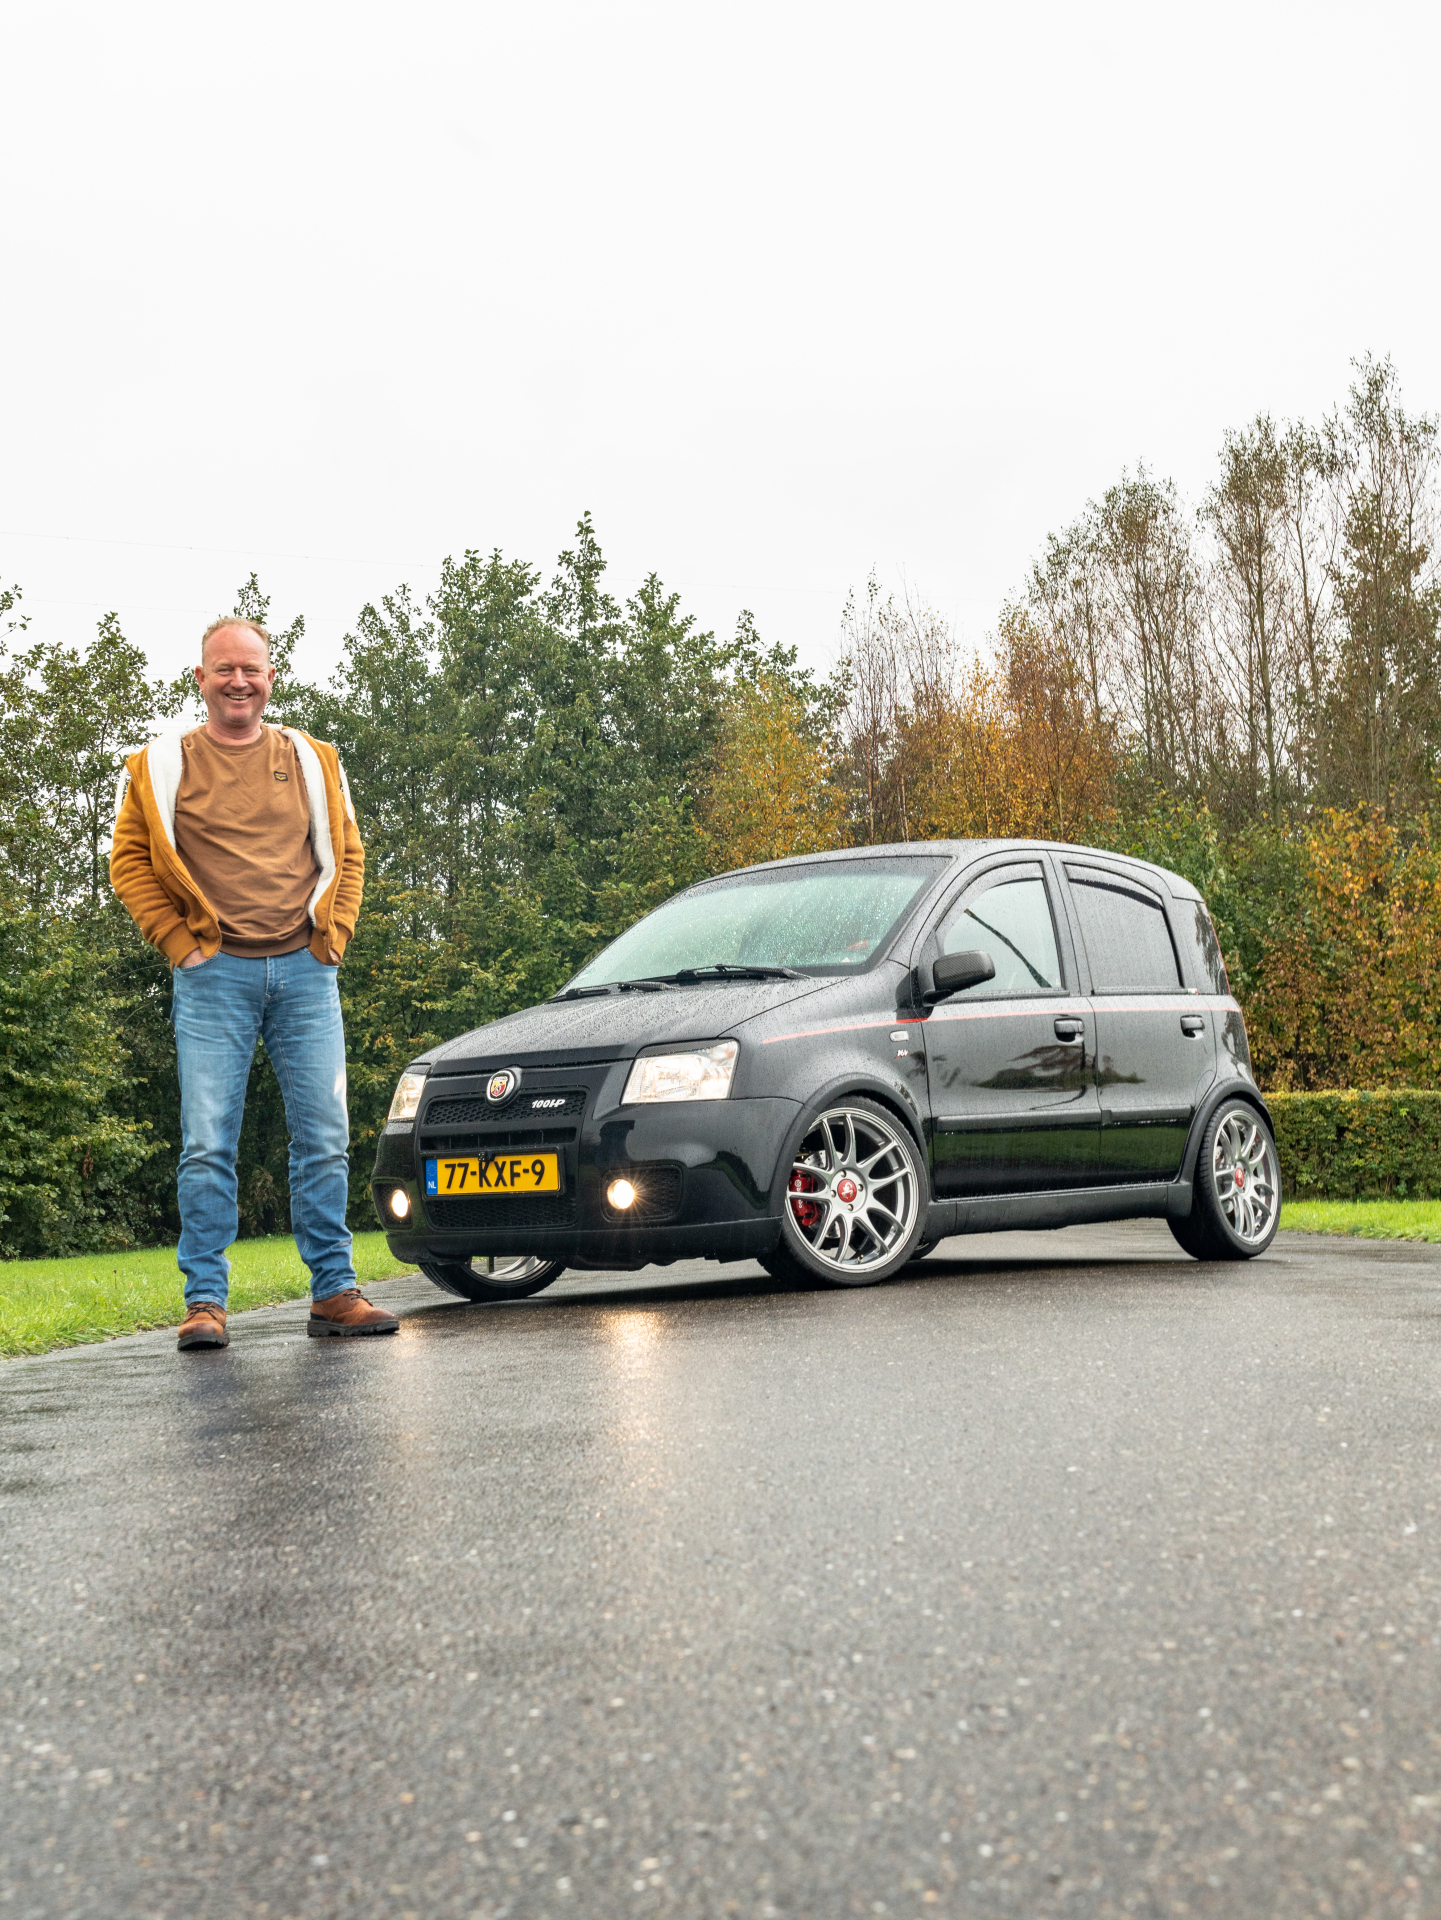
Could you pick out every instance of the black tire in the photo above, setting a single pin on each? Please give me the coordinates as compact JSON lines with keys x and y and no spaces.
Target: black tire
{"x":1236,"y":1189}
{"x":1187,"y":1236}
{"x":493,"y":1277}
{"x":924,"y":1247}
{"x":860,"y":1237}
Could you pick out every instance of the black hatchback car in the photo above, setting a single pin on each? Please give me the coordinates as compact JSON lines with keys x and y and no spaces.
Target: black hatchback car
{"x":830,"y":1063}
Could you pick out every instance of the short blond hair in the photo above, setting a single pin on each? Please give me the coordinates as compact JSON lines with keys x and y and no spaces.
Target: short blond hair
{"x":234,"y":620}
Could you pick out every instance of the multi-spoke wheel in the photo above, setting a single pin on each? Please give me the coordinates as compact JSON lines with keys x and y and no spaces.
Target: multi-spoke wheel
{"x":855,"y":1198}
{"x":1236,"y":1191}
{"x":492,"y":1276}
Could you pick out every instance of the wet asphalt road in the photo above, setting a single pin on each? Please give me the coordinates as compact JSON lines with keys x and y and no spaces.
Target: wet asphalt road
{"x":1062,"y":1576}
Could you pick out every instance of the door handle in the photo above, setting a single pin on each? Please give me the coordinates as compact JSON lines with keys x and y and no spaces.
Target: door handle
{"x":1193,"y":1023}
{"x":1069,"y":1028}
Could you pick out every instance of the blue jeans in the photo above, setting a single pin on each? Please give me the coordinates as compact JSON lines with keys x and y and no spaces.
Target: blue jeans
{"x":218,"y":1009}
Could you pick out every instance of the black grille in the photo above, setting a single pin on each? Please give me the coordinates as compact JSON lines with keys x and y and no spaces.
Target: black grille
{"x":508,"y":1140}
{"x":537,"y":1211}
{"x":658,"y":1191}
{"x":527,"y":1104}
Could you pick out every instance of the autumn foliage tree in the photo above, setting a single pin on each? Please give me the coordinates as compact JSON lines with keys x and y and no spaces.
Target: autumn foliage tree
{"x":1348,"y":991}
{"x":938,"y":744}
{"x":773,"y":790}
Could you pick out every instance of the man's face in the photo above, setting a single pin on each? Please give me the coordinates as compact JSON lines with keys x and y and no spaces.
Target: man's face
{"x":235,"y":677}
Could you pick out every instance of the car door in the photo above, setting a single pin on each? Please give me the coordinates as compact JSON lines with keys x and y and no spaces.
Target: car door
{"x":1009,"y":1062}
{"x":1155,"y":1042}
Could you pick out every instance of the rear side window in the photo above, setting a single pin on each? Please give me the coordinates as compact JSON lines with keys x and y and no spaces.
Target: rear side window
{"x":1193,"y":922}
{"x":1009,"y":917}
{"x":1124,"y":927}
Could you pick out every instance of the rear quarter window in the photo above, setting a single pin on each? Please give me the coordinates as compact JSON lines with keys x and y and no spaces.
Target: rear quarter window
{"x":1195,"y":931}
{"x":1128,"y":942}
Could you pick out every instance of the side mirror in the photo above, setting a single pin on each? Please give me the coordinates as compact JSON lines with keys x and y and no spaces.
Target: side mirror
{"x":953,"y":973}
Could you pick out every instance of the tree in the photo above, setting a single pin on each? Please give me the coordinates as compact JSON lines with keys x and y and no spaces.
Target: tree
{"x":1067,"y":592}
{"x":773,"y":792}
{"x":68,"y":1159}
{"x":1063,"y":754}
{"x":68,"y":717}
{"x":1383,"y":708}
{"x":1165,"y":691}
{"x":1247,"y":510}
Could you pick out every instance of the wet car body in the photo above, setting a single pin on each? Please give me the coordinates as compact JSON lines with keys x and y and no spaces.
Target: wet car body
{"x":1069,"y":1101}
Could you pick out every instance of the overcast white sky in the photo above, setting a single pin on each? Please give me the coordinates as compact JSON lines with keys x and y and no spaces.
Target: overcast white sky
{"x":780,"y":292}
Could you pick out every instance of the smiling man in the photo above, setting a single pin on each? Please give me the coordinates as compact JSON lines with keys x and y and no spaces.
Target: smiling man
{"x":237,"y":854}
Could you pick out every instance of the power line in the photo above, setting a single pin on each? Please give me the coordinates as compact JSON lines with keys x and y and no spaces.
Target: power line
{"x":350,"y":560}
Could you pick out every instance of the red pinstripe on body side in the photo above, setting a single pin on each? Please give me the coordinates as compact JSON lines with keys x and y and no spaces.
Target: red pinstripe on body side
{"x":1015,"y":1009}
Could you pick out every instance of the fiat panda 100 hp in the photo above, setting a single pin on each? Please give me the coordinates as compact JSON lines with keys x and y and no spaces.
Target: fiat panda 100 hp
{"x":831,"y":1063}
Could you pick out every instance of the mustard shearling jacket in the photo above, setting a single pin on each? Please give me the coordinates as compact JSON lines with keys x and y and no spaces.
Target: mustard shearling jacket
{"x":156,"y":888}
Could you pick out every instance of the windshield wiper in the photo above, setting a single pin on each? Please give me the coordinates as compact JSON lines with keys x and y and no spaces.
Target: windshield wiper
{"x":612,"y":986}
{"x":687,"y":977}
{"x":725,"y":970}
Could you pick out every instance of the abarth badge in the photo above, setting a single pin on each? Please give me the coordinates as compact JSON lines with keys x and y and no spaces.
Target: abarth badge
{"x":502,"y":1085}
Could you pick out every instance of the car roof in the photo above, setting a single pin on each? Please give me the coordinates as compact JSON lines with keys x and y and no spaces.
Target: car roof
{"x":968,"y":850}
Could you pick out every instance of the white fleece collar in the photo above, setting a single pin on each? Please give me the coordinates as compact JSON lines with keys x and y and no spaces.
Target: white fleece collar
{"x":313,"y":774}
{"x":165,"y":763}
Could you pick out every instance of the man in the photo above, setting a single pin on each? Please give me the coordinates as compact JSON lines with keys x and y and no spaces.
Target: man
{"x":236,"y":853}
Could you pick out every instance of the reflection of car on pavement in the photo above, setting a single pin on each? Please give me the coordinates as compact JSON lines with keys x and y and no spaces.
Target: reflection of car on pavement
{"x":831,"y":1063}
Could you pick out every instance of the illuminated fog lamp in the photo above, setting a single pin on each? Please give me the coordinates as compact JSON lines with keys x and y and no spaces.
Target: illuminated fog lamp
{"x":620,"y":1194}
{"x":399,"y":1204}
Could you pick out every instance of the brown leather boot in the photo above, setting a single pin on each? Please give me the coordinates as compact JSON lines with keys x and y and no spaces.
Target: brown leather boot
{"x":349,"y":1312}
{"x":203,"y":1326}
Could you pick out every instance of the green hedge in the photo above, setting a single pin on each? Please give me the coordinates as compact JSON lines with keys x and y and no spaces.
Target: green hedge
{"x":1358,"y":1146}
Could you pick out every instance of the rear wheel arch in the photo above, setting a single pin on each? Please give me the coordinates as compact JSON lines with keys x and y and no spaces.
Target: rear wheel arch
{"x":1232,"y":1219}
{"x":1223,"y":1090}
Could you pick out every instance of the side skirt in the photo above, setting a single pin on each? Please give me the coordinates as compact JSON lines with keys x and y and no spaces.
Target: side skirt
{"x":1070,"y":1208}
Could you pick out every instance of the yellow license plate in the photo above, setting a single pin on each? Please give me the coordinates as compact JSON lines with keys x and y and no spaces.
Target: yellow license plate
{"x":503,"y":1173}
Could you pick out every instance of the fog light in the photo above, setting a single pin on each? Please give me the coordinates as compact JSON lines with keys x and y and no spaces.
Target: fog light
{"x":400,"y":1203}
{"x":620,"y":1194}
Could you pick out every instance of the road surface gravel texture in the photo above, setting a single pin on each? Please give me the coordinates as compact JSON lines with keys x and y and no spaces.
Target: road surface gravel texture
{"x":1061,"y":1576}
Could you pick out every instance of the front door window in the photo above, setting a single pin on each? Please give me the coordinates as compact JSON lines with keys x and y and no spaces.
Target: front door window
{"x":1012,"y":922}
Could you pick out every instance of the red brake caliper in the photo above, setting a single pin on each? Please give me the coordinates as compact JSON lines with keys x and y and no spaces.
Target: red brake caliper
{"x":805,"y":1211}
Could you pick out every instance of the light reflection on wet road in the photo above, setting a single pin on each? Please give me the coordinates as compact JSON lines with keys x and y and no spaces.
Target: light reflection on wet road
{"x":1061,"y":1576}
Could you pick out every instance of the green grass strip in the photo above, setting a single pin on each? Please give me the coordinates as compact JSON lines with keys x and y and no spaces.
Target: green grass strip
{"x":65,"y":1303}
{"x":1368,"y":1219}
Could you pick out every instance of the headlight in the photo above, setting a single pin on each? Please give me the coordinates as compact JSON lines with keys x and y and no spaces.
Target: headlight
{"x":406,"y":1103}
{"x":704,"y":1074}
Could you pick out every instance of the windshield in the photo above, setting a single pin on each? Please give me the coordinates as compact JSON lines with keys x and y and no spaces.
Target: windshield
{"x":834,"y":917}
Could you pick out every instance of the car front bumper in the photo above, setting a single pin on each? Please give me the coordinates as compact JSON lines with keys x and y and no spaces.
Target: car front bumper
{"x":705,"y":1172}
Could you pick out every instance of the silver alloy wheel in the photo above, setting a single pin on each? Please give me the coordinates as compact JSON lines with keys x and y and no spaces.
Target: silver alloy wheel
{"x":492,"y":1277}
{"x":853,"y":1189}
{"x":505,"y":1269}
{"x":1246,"y":1176}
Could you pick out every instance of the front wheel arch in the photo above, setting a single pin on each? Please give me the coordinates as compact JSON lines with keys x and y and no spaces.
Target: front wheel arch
{"x":837,"y":1095}
{"x":795,"y":1260}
